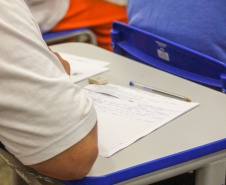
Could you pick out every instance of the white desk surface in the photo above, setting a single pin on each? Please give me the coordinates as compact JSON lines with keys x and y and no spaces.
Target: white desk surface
{"x":202,"y":125}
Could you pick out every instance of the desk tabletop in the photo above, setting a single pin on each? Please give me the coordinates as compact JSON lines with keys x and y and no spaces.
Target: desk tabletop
{"x":199,"y":132}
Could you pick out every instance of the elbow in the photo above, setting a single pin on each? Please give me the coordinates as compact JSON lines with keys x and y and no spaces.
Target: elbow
{"x":79,"y":171}
{"x":85,"y":166}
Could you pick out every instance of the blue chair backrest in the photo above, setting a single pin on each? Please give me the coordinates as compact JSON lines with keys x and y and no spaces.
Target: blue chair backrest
{"x":163,"y":54}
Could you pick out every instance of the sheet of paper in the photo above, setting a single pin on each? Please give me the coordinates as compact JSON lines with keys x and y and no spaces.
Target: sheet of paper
{"x":125,"y":115}
{"x":83,"y":68}
{"x":84,"y":59}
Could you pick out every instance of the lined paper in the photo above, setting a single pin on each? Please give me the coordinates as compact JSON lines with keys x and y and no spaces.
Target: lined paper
{"x":125,"y":115}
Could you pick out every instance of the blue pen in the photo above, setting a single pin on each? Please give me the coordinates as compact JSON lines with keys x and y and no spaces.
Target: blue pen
{"x":158,"y":91}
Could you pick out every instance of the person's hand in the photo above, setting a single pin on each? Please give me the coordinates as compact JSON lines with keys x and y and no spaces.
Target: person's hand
{"x":65,"y":63}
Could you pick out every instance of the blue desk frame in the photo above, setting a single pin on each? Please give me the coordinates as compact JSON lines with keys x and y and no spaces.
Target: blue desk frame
{"x":152,"y":166}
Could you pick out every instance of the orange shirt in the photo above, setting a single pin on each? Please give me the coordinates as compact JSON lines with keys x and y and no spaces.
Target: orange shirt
{"x":96,"y":14}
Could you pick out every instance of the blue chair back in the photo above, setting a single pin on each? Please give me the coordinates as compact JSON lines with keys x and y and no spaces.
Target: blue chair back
{"x":168,"y":56}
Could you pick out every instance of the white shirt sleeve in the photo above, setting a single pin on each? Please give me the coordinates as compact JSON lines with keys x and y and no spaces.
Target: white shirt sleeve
{"x":42,"y":113}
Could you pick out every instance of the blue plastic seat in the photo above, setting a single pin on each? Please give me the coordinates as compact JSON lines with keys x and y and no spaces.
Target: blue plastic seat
{"x":168,"y":56}
{"x":79,"y":33}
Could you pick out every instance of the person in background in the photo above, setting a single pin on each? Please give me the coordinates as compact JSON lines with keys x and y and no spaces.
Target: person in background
{"x":199,"y":25}
{"x":56,"y":15}
{"x":47,"y":122}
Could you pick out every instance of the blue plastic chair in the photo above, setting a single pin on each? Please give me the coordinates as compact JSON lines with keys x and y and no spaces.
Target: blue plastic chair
{"x":79,"y":33}
{"x":168,"y":56}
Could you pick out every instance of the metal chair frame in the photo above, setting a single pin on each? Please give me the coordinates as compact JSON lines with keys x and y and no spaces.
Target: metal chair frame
{"x":81,"y":34}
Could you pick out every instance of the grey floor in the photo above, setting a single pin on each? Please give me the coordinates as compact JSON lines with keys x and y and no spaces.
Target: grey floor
{"x":185,"y":179}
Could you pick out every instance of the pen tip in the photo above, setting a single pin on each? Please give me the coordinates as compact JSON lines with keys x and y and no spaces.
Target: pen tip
{"x":131,"y":83}
{"x":186,"y":99}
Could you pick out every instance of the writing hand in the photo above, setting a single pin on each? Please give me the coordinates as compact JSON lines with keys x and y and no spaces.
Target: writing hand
{"x":65,"y":63}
